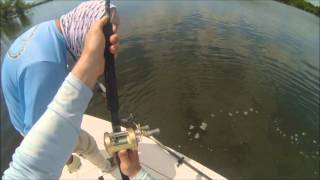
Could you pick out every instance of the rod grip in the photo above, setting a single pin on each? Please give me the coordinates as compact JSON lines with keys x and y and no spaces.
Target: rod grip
{"x":111,"y":83}
{"x":110,"y":78}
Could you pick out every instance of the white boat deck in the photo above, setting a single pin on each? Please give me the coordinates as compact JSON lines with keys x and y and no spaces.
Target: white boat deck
{"x":153,"y":158}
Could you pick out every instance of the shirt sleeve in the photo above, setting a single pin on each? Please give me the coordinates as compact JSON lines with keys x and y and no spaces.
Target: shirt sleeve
{"x":142,"y":175}
{"x":44,"y":151}
{"x":39,"y":83}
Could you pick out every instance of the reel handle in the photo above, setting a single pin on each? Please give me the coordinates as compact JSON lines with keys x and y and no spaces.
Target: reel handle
{"x":153,"y":132}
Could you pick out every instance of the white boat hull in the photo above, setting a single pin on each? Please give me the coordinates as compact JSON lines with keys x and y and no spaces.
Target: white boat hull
{"x":153,"y":158}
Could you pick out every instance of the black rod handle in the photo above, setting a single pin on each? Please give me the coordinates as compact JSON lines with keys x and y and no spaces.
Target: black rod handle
{"x":112,"y":88}
{"x":111,"y":80}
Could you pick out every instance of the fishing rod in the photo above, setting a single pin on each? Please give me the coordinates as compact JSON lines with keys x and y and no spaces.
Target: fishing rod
{"x":110,"y":75}
{"x":145,"y":131}
{"x":180,"y":159}
{"x":119,"y":140}
{"x":111,"y":80}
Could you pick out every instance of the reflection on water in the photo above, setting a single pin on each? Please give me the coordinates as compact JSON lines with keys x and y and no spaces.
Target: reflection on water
{"x":234,"y":85}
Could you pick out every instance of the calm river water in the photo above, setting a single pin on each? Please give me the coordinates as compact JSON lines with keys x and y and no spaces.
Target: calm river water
{"x":248,"y":69}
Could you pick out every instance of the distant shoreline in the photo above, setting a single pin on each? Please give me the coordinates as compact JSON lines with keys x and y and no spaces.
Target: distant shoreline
{"x":303,"y":5}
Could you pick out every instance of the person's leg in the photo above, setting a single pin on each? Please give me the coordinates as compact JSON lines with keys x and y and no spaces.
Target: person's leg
{"x":87,"y":148}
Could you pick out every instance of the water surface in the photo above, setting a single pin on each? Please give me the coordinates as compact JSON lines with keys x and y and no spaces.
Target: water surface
{"x":248,"y":69}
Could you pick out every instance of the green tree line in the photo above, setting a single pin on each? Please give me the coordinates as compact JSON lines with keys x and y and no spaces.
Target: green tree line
{"x":304,"y":5}
{"x":12,"y":8}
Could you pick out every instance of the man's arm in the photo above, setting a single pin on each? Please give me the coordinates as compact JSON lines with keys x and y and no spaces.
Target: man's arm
{"x":45,"y":149}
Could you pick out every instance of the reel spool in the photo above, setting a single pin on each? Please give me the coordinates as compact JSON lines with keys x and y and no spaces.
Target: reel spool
{"x":129,"y":139}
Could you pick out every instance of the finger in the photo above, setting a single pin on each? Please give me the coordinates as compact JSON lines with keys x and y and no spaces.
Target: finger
{"x":114,"y":49}
{"x":123,"y":156}
{"x":114,"y":39}
{"x":102,"y":22}
{"x":134,"y":155}
{"x":114,"y":28}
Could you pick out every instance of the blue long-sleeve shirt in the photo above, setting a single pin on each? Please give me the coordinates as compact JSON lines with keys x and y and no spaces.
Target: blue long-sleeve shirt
{"x":32,"y":72}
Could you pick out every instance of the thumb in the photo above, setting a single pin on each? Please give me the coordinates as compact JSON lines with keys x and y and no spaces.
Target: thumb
{"x":123,"y":156}
{"x":102,"y":22}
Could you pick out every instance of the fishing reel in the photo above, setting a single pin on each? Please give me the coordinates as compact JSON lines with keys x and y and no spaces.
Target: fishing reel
{"x":128,"y":139}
